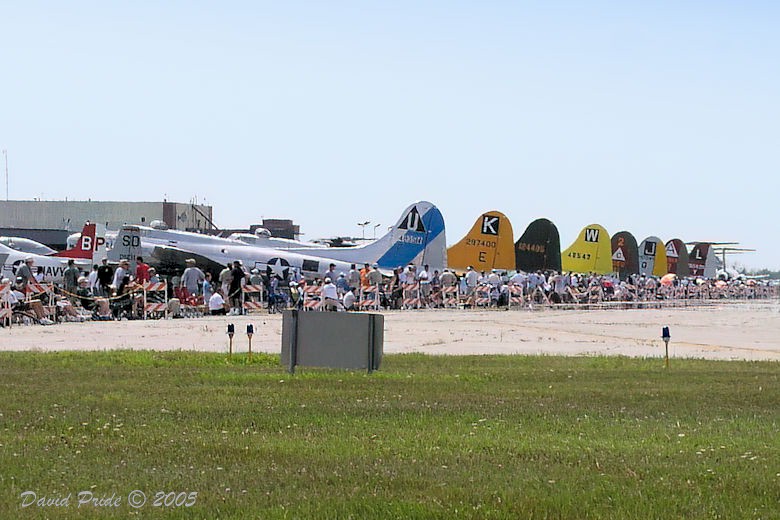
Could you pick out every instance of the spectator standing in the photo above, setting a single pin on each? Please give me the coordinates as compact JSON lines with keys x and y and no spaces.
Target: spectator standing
{"x":141,"y":270}
{"x":224,"y":279}
{"x":70,"y":278}
{"x":192,"y":278}
{"x":354,"y":277}
{"x":472,"y":280}
{"x":92,"y":280}
{"x":208,"y":288}
{"x":105,"y":277}
{"x":331,"y":273}
{"x":255,"y":278}
{"x":341,"y":284}
{"x":237,"y":276}
{"x":25,"y":272}
{"x":120,"y":273}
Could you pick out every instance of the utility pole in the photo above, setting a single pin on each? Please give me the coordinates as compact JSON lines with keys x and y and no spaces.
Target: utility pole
{"x":5,"y":153}
{"x":363,"y":226}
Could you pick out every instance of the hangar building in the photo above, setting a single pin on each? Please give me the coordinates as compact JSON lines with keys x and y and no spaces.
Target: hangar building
{"x":51,"y":221}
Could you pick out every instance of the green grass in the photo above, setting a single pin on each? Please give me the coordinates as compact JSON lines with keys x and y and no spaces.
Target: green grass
{"x":425,"y":437}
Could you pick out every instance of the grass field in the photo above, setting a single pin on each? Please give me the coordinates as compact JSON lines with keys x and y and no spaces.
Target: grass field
{"x":425,"y":437}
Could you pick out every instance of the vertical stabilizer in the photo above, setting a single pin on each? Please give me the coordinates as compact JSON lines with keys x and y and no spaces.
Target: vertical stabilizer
{"x":127,"y":245}
{"x":488,"y":245}
{"x":652,"y":257}
{"x":677,"y":258}
{"x":702,"y":260}
{"x":539,"y":249}
{"x":85,"y":246}
{"x":625,"y":255}
{"x":417,"y":238}
{"x":591,"y":252}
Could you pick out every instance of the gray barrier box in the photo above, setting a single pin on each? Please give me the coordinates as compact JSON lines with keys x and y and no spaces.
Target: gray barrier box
{"x":332,"y":340}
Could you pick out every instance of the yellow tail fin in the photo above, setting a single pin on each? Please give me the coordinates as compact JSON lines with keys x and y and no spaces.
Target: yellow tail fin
{"x":488,"y":245}
{"x":591,"y":252}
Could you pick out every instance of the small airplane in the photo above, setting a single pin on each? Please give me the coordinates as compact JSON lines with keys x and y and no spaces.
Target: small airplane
{"x":26,"y":245}
{"x":167,"y":250}
{"x":53,"y":266}
{"x":82,"y":248}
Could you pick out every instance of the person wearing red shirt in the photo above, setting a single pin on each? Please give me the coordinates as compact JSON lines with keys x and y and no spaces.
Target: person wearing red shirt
{"x":141,"y":270}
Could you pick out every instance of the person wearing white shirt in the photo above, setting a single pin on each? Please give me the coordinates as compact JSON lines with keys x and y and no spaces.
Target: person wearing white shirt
{"x":519,"y":278}
{"x":120,"y":273}
{"x":216,"y":304}
{"x":92,"y":279}
{"x":472,"y":279}
{"x":349,"y":300}
{"x":330,"y":296}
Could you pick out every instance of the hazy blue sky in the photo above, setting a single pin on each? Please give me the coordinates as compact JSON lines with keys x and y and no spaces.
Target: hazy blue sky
{"x":660,"y":118}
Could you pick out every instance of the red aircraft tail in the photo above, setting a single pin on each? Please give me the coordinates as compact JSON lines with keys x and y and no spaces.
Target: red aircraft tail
{"x":84,"y":247}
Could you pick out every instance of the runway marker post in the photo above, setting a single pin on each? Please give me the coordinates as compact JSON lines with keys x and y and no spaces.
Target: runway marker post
{"x":666,"y":337}
{"x":231,"y":329}
{"x":250,"y":329}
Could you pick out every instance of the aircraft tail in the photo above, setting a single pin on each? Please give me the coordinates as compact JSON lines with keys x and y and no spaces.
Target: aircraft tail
{"x":417,"y":238}
{"x":101,"y":247}
{"x":677,"y":258}
{"x":625,"y":254}
{"x":488,"y":245}
{"x":702,"y":260}
{"x":85,"y":246}
{"x":652,"y":257}
{"x":539,"y":248}
{"x":591,"y":252}
{"x":127,"y":245}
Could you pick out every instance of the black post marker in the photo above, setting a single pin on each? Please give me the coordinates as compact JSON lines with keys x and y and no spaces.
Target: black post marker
{"x":231,"y":329}
{"x":666,"y":337}
{"x":250,"y":329}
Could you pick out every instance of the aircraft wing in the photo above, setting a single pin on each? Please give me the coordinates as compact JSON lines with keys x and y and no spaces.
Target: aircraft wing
{"x":170,"y":261}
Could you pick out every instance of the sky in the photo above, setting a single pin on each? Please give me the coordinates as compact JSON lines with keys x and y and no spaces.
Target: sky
{"x":660,"y":118}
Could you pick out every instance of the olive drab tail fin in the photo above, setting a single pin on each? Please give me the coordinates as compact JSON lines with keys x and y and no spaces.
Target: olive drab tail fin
{"x":539,"y":249}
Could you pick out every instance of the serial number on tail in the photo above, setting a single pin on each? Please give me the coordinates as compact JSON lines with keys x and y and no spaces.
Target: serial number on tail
{"x":480,"y":243}
{"x":412,"y":239}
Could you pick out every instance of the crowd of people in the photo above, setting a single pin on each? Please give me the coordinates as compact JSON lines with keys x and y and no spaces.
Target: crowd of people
{"x":124,"y":291}
{"x":411,"y":287}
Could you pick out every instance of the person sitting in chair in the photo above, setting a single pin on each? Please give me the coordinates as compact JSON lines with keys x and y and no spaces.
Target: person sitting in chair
{"x":14,"y":297}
